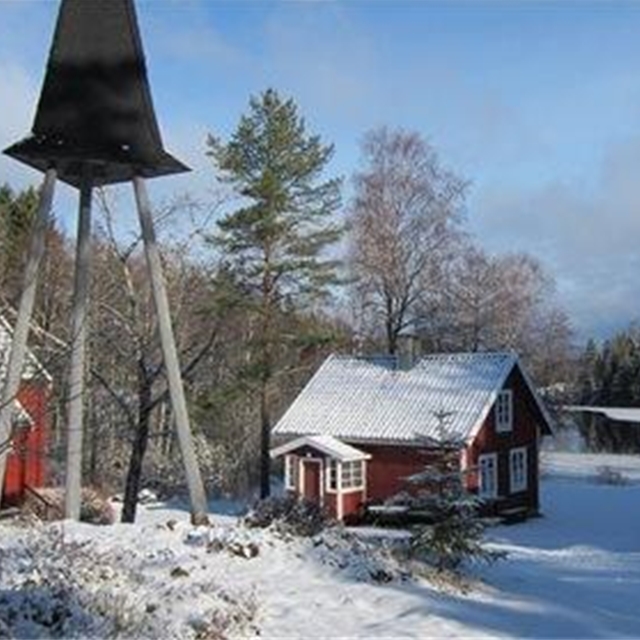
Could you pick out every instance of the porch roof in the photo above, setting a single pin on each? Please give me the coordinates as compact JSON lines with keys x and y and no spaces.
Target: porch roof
{"x":328,"y":445}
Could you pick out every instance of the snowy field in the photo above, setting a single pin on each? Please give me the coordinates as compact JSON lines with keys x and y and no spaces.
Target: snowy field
{"x":575,"y":573}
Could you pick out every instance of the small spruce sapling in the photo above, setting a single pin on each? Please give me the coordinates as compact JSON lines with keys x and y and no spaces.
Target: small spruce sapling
{"x":455,"y":527}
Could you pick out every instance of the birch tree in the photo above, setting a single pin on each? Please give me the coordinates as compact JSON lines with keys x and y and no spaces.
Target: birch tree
{"x":404,"y":222}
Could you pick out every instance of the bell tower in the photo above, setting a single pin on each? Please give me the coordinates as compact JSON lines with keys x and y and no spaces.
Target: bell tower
{"x":95,"y":125}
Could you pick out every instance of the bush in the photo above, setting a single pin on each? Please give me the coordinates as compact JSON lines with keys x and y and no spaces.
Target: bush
{"x":607,"y":475}
{"x":95,"y":508}
{"x":288,"y":515}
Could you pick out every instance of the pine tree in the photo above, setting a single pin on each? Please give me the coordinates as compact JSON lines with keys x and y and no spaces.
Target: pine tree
{"x":17,"y":212}
{"x":610,"y":376}
{"x":275,"y":241}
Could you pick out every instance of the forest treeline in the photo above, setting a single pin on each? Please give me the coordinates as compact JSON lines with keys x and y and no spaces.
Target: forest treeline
{"x":608,"y":375}
{"x":286,"y":264}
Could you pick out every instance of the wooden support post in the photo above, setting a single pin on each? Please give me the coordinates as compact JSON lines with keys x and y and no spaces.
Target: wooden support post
{"x":25,"y":310}
{"x":172,"y":366}
{"x":78,"y":338}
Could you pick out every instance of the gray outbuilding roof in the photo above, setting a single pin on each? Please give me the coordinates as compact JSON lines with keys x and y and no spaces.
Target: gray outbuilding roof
{"x":329,"y":445}
{"x":32,"y":367}
{"x":367,"y":401}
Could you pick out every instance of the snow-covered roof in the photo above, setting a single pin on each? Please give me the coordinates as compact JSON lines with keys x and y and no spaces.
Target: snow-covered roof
{"x":359,"y":400}
{"x":620,"y":414}
{"x":328,"y":445}
{"x":32,"y":367}
{"x":20,"y":415}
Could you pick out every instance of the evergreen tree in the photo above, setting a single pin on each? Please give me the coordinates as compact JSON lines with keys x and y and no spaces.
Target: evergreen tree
{"x":610,"y":376}
{"x":17,"y":212}
{"x":455,"y":528}
{"x":275,"y":241}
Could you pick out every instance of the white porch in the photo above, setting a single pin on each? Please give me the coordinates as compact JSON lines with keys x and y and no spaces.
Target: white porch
{"x":325,"y":470}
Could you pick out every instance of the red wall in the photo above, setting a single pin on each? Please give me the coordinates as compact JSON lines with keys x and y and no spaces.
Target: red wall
{"x":27,"y":463}
{"x":352,"y":504}
{"x":388,"y":468}
{"x":526,"y":417}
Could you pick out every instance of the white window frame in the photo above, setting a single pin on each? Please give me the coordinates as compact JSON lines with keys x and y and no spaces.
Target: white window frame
{"x":518,"y":470}
{"x":332,"y":467}
{"x":349,"y":477}
{"x":291,"y":472}
{"x":504,"y":411}
{"x":491,"y":460}
{"x":344,"y":476}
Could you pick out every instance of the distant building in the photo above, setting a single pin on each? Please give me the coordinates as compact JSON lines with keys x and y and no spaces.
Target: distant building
{"x":28,"y":445}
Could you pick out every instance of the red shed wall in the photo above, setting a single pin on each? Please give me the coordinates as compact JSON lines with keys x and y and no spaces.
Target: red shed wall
{"x":526,"y":419}
{"x":351,"y":503}
{"x":388,"y":468}
{"x":27,"y":463}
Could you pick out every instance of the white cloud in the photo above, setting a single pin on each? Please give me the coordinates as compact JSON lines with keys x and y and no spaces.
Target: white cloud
{"x":587,"y":233}
{"x":317,"y":53}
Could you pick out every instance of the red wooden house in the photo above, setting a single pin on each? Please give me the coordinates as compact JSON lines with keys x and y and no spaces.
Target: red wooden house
{"x":26,"y":461}
{"x":361,"y":427}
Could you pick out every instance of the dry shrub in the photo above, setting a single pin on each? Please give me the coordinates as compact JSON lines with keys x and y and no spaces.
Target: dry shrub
{"x":288,"y":515}
{"x":48,"y":505}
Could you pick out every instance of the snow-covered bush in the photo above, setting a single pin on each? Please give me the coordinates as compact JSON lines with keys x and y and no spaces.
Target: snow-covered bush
{"x":95,"y":507}
{"x":288,"y":515}
{"x":607,"y":475}
{"x":48,"y":596}
{"x":369,"y":560}
{"x":56,"y":587}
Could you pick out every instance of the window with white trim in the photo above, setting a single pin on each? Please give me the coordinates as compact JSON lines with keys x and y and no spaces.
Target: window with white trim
{"x":504,"y":411}
{"x":351,"y":475}
{"x":291,"y":472}
{"x":332,"y":475}
{"x":488,"y":475}
{"x":518,"y":469}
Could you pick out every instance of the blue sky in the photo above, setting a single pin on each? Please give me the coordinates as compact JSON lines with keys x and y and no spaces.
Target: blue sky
{"x":537,"y":103}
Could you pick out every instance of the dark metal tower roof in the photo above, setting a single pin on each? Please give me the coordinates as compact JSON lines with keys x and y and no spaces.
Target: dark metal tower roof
{"x":95,"y":106}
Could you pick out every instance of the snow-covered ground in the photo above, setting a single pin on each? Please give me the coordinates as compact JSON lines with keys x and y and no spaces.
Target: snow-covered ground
{"x":574,"y":573}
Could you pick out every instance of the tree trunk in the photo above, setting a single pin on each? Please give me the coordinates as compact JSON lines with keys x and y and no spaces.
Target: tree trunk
{"x":392,"y":339}
{"x":95,"y":479}
{"x":265,"y":439}
{"x":138,"y":449}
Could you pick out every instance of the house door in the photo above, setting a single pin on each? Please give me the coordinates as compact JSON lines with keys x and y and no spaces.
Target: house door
{"x":488,"y":475}
{"x":311,"y":474}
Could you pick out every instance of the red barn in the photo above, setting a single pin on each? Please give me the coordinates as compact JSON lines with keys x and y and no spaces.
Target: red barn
{"x":361,"y":427}
{"x":26,"y":461}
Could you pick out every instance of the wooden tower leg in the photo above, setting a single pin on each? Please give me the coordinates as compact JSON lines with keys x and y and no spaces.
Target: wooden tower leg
{"x":78,"y":338}
{"x":21,"y":329}
{"x":176,"y":390}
